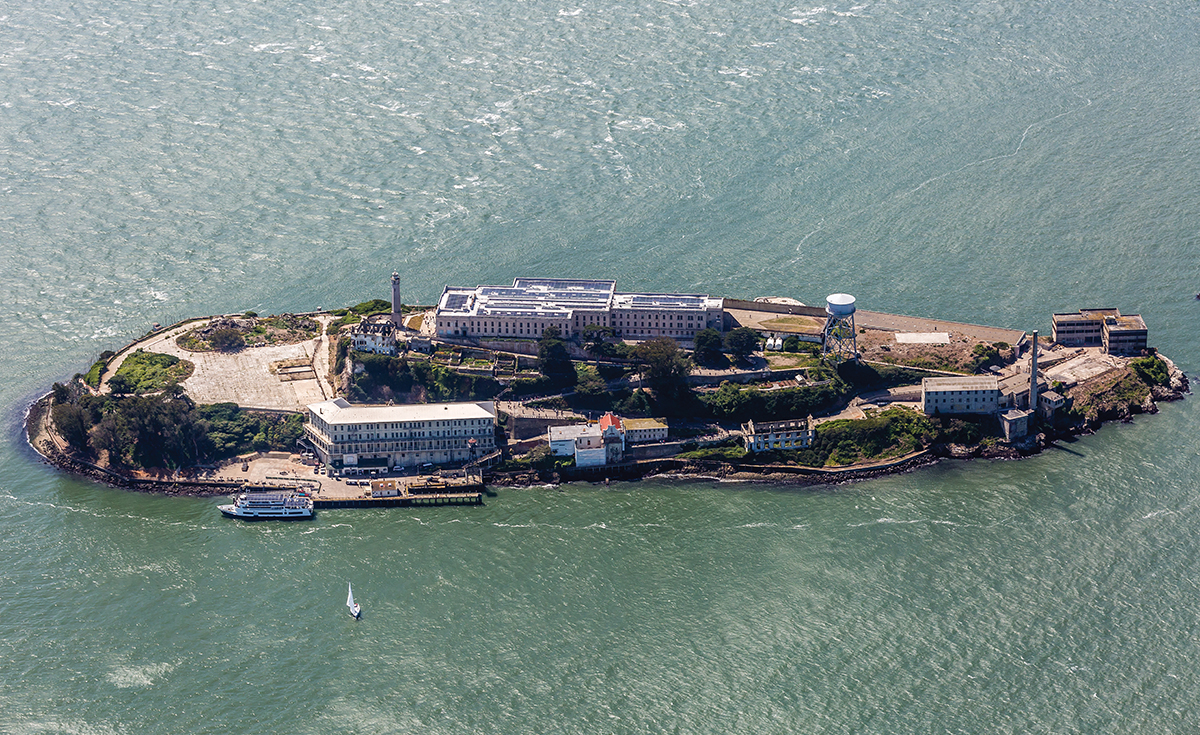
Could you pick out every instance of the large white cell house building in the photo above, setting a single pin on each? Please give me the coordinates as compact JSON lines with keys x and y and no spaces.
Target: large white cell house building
{"x":400,"y":436}
{"x":530,"y":305}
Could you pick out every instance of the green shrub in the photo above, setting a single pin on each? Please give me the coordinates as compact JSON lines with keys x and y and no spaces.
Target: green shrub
{"x":227,"y":340}
{"x":150,"y":372}
{"x":94,"y":374}
{"x":1151,"y":370}
{"x":721,"y":454}
{"x":344,"y":320}
{"x":374,"y":306}
{"x":383,"y":377}
{"x":892,"y":432}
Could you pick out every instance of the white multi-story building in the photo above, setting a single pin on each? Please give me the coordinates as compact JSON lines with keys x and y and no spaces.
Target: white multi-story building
{"x":968,"y":394}
{"x":401,"y":436}
{"x":525,"y":309}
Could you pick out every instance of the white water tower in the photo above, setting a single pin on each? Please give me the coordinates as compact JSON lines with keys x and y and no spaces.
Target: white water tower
{"x":841,"y":342}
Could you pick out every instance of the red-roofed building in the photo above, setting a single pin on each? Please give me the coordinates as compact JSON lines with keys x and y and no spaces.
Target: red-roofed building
{"x":592,"y":444}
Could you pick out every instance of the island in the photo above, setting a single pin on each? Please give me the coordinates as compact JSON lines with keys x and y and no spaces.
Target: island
{"x":550,"y":380}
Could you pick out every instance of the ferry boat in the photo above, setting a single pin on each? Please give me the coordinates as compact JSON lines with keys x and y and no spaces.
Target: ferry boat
{"x":269,"y":506}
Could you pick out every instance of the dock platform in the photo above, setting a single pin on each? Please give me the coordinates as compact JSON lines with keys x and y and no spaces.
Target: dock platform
{"x":464,"y":488}
{"x":399,"y":501}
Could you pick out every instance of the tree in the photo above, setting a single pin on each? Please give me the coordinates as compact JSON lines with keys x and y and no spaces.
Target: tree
{"x":62,"y":394}
{"x":595,"y":340}
{"x":708,"y":345}
{"x":227,"y":340}
{"x":741,"y":342}
{"x":666,"y":366}
{"x":112,"y":436}
{"x":541,"y":458}
{"x":119,"y":385}
{"x":72,"y":423}
{"x":553,"y":358}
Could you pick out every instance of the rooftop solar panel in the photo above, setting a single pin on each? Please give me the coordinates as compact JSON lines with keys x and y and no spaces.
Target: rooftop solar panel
{"x":456,"y":301}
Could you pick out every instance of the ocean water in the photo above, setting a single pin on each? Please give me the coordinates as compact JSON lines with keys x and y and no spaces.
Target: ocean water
{"x":987,"y":162}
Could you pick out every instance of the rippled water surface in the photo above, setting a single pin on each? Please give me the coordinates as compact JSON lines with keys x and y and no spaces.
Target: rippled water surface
{"x":985,"y":162}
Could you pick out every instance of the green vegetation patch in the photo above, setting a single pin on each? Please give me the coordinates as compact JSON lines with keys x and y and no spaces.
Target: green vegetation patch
{"x":732,"y":402}
{"x":930,"y":361}
{"x":233,"y":431}
{"x":94,"y":373}
{"x":793,"y":323}
{"x":891,"y":433}
{"x":888,"y":434}
{"x":345,"y":320}
{"x":721,"y":454}
{"x":1113,"y":395}
{"x":372,"y":307}
{"x":791,"y":360}
{"x":387,"y":378}
{"x":169,"y":431}
{"x":227,"y":335}
{"x":1152,"y":370}
{"x":150,"y":372}
{"x":539,"y":458}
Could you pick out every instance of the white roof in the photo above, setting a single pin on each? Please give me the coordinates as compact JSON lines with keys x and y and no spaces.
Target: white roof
{"x":559,"y":298}
{"x":967,"y":382}
{"x":571,"y":433}
{"x":341,"y":411}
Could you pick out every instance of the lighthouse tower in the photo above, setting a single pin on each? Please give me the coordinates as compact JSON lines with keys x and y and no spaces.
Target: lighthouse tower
{"x":396,"y":318}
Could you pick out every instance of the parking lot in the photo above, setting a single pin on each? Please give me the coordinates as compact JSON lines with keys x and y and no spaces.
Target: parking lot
{"x":294,"y":470}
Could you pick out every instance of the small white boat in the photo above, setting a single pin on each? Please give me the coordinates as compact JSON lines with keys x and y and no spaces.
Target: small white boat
{"x":355,"y":609}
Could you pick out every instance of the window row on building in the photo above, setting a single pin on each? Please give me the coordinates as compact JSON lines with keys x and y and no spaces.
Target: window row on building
{"x":1116,"y":333}
{"x":968,"y":394}
{"x":400,"y":436}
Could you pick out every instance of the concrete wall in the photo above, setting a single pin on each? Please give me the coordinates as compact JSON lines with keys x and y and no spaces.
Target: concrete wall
{"x":652,"y":451}
{"x":589,"y":457}
{"x":520,"y":428}
{"x":813,"y":311}
{"x":747,"y":376}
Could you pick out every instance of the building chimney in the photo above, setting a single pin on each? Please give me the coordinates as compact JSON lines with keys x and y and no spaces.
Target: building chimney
{"x":1033,"y":395}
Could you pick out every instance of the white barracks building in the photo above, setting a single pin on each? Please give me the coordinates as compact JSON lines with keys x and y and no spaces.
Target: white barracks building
{"x":526,"y":308}
{"x":403,"y":436}
{"x":966,"y":394}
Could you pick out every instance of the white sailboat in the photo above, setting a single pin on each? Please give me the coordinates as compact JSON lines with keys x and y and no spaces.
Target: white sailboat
{"x":355,"y":609}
